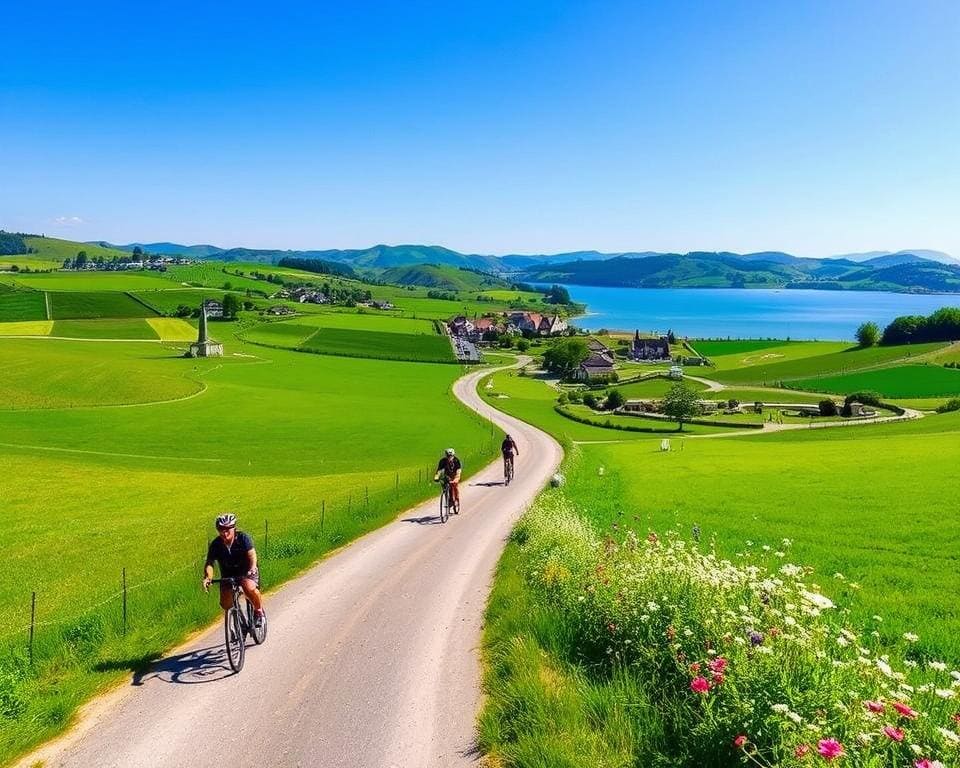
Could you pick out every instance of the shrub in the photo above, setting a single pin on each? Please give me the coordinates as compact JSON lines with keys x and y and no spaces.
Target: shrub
{"x":866,"y":397}
{"x":953,"y":404}
{"x":590,"y":400}
{"x":828,"y":408}
{"x":575,"y":396}
{"x":563,"y":399}
{"x":615,"y":399}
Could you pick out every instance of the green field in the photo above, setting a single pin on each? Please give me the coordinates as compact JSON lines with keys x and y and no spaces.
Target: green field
{"x":212,"y":275}
{"x":286,"y":334}
{"x":172,"y":328}
{"x":881,"y":540}
{"x":93,"y":281}
{"x":19,"y":305}
{"x":368,"y":321}
{"x":168,"y":301}
{"x":57,"y":250}
{"x":655,"y":387}
{"x":830,"y":364}
{"x":384,"y":346}
{"x":725,"y":348}
{"x":913,"y":381}
{"x":107,"y":304}
{"x":782,"y":353}
{"x":104,"y":329}
{"x":27,"y":328}
{"x":272,"y":435}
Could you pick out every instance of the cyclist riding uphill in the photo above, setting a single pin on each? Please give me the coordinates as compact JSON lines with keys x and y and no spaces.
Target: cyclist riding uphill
{"x":450,"y":467}
{"x":509,"y":449}
{"x":233,"y":551}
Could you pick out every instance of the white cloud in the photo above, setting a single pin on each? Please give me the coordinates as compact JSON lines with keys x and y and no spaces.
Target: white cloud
{"x":68,"y":221}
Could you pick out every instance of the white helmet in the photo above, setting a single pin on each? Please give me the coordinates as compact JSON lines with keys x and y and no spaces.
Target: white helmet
{"x":449,"y":451}
{"x":226,"y":520}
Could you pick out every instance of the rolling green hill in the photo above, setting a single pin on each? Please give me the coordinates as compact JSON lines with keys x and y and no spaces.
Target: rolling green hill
{"x":443,"y":277}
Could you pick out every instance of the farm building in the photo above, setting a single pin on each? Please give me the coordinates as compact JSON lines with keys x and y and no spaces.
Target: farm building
{"x":643,"y":349}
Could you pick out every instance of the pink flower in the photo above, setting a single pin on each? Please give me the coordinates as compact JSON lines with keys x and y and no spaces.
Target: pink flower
{"x":894,"y":733}
{"x":874,"y":706}
{"x":801,"y":750}
{"x":742,"y":739}
{"x":699,"y":685}
{"x":956,"y":717}
{"x":718,"y":664}
{"x":904,"y":710}
{"x":718,"y":678}
{"x":830,"y":749}
{"x":695,"y":667}
{"x":927,"y":763}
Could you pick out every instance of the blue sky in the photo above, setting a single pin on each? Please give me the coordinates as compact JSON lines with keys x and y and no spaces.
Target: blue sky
{"x":493,"y":127}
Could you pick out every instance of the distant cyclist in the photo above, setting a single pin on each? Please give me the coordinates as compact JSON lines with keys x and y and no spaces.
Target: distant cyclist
{"x":451,"y":468}
{"x":233,"y":551}
{"x":508,"y":448}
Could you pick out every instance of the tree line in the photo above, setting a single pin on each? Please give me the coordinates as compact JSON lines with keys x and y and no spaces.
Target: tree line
{"x":942,"y":325}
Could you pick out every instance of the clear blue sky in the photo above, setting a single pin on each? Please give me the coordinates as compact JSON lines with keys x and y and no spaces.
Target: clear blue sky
{"x":813,"y":127}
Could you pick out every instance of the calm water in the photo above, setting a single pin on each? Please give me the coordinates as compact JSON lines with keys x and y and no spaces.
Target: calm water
{"x":721,"y":312}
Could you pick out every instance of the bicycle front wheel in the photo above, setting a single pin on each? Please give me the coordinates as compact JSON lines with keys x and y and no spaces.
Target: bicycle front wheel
{"x":444,"y":506}
{"x":234,"y":638}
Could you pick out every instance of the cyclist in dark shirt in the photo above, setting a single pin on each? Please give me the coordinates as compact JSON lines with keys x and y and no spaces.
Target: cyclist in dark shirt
{"x":508,"y":448}
{"x":451,"y":467}
{"x":234,"y":552}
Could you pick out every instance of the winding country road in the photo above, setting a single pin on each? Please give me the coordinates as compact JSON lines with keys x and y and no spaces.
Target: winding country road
{"x":372,"y":659}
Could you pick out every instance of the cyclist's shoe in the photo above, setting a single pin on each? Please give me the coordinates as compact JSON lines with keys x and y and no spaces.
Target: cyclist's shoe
{"x":258,"y":619}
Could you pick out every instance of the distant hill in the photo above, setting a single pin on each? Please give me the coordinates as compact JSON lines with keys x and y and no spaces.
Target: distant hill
{"x":443,"y":277}
{"x":922,"y":253}
{"x":167,"y":249}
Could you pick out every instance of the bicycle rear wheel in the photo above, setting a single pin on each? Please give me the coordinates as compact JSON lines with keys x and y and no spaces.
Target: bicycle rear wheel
{"x":444,"y":506}
{"x":258,"y":635}
{"x":234,"y":638}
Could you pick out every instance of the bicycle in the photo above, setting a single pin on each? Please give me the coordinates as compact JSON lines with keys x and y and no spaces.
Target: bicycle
{"x":237,"y":624}
{"x":447,"y":501}
{"x":507,"y":469}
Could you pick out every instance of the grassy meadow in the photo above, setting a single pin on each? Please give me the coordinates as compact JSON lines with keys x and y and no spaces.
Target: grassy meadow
{"x":273,"y":435}
{"x":902,"y":381}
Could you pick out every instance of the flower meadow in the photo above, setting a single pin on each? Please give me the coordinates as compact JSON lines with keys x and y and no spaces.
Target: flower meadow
{"x":705,"y":661}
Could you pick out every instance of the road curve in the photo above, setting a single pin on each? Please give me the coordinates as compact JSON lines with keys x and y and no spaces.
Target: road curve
{"x":372,"y":659}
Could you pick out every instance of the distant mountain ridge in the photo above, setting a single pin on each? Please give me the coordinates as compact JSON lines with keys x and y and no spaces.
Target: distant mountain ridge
{"x":918,"y":270}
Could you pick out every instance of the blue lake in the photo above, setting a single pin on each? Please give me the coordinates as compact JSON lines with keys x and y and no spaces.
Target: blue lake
{"x":722,"y":312}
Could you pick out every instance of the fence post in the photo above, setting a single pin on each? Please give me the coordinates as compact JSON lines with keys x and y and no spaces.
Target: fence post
{"x":33,"y":618}
{"x":419,"y":477}
{"x":396,"y":485}
{"x":124,"y":578}
{"x":323,"y":513}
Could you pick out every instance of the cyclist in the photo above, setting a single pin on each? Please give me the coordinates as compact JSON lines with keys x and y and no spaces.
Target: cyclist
{"x":233,"y":551}
{"x":450,"y":467}
{"x":508,"y":448}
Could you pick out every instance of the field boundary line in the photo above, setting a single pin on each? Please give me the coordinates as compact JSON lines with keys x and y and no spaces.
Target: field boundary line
{"x":46,"y":301}
{"x":137,"y":299}
{"x":104,"y":453}
{"x":74,"y":338}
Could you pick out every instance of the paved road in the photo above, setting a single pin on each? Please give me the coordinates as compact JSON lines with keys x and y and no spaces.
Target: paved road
{"x":371,"y":660}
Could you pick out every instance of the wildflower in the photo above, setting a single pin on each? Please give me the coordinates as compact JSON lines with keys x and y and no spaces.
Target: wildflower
{"x":904,"y":710}
{"x":884,"y":667}
{"x":830,"y":749}
{"x":896,"y":734}
{"x":926,"y":763}
{"x":801,"y":750}
{"x":652,"y":537}
{"x":780,"y":709}
{"x":956,"y":717}
{"x":910,"y":637}
{"x":700,"y":685}
{"x":945,"y":693}
{"x":937,"y":666}
{"x":718,"y":664}
{"x":740,"y":741}
{"x":755,"y":638}
{"x":695,"y":667}
{"x":874,"y":706}
{"x":949,"y":736}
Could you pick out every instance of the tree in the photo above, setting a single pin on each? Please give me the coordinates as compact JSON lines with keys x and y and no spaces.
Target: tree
{"x":868,"y":334}
{"x":523,"y":345}
{"x":681,"y":403}
{"x":81,"y":261}
{"x":828,"y":408}
{"x":671,"y":337}
{"x":565,"y":355}
{"x":137,"y":251}
{"x":231,"y":305}
{"x":615,"y":399}
{"x":558,"y":295}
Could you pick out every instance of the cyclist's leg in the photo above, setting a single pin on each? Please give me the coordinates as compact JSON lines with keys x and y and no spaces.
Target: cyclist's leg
{"x":251,"y":588}
{"x":455,"y":488}
{"x":226,"y":596}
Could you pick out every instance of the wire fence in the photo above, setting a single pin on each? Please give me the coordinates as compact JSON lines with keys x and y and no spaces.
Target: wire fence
{"x":295,"y":539}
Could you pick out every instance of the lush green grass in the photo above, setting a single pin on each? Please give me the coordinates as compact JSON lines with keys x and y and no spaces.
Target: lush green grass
{"x":656,"y":387}
{"x":728,"y":347}
{"x":78,"y":306}
{"x":93,"y":281}
{"x":852,"y":359}
{"x":27,"y":261}
{"x":760,"y":395}
{"x":371,"y":320}
{"x":104,"y":329}
{"x":45,"y":373}
{"x":22,"y":305}
{"x":783,"y":353}
{"x":172,"y":328}
{"x":168,"y":301}
{"x":274,"y":436}
{"x":285,"y":334}
{"x":899,"y":381}
{"x":212,"y":275}
{"x":385,"y":346}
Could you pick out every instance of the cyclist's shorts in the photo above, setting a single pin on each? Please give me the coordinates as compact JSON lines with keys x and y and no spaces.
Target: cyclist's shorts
{"x":255,"y":577}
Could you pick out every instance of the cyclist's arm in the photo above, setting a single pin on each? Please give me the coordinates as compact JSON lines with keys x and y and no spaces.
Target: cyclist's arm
{"x":252,"y":557}
{"x":207,"y":573}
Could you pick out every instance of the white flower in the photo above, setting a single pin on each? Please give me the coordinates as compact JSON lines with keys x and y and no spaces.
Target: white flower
{"x":955,"y":675}
{"x":842,"y":641}
{"x":910,"y":637}
{"x":816,"y":599}
{"x":945,"y":693}
{"x":839,"y":576}
{"x":909,"y":663}
{"x":780,"y":709}
{"x":949,"y":736}
{"x":884,"y":667}
{"x":939,"y":666}
{"x":791,"y":570}
{"x":795,"y":717}
{"x":877,"y":618}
